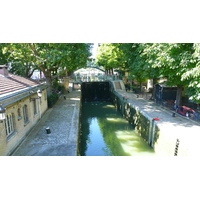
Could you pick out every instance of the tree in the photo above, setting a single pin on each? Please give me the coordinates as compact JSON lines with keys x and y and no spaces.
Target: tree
{"x":128,"y":57}
{"x":192,"y":75}
{"x":4,"y":54}
{"x":21,"y":59}
{"x":138,"y":63}
{"x":172,"y":60}
{"x":58,"y":58}
{"x":53,"y":59}
{"x":109,"y":56}
{"x":175,"y":62}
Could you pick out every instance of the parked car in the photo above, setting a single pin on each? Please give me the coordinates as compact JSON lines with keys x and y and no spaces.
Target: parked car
{"x":185,"y":111}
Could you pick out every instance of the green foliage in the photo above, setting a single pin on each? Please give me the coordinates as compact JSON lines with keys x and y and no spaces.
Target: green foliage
{"x":178,"y":63}
{"x":4,"y":54}
{"x":192,"y":75}
{"x":61,"y":88}
{"x":110,"y":56}
{"x":57,"y":86}
{"x":53,"y":59}
{"x":52,"y":99}
{"x":19,"y":55}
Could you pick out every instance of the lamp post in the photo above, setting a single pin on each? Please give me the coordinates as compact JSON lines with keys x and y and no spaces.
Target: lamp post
{"x":2,"y":113}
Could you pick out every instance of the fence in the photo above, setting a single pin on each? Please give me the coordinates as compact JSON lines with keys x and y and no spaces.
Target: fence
{"x":96,"y":78}
{"x":170,"y":105}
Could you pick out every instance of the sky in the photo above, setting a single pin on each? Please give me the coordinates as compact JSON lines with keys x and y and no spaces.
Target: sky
{"x":94,"y":50}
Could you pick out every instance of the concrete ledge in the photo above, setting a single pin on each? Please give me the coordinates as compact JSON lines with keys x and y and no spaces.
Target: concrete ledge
{"x":171,"y":129}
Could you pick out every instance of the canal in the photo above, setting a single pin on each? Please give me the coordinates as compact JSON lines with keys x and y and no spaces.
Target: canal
{"x":104,"y":132}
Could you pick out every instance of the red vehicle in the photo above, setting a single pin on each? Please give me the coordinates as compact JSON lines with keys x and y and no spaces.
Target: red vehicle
{"x":185,"y":111}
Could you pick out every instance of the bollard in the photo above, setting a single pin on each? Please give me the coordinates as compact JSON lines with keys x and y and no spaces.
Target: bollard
{"x":64,"y":97}
{"x":176,"y":147}
{"x":173,"y":114}
{"x":48,"y":130}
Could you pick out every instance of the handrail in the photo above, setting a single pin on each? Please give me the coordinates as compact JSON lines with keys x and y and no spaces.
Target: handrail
{"x":92,"y":78}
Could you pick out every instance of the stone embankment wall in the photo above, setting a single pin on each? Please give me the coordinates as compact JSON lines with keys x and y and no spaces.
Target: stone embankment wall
{"x":144,"y":125}
{"x":169,"y":136}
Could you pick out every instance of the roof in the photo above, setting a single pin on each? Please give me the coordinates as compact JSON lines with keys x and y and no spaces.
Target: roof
{"x":164,"y":85}
{"x":14,"y":82}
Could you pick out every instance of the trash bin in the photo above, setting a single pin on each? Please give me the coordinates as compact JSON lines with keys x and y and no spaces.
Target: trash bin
{"x":48,"y":130}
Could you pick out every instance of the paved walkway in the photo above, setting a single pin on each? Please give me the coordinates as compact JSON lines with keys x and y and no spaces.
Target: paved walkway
{"x":171,"y":128}
{"x":156,"y":111}
{"x":63,"y":120}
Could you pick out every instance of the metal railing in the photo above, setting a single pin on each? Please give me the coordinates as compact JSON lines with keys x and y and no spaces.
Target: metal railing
{"x":96,"y":78}
{"x":170,"y":106}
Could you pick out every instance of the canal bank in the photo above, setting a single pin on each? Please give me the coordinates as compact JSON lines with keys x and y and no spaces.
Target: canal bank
{"x":104,"y":132}
{"x":168,"y":135}
{"x":63,"y":122}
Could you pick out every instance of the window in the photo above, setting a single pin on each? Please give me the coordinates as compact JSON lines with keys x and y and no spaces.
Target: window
{"x":25,"y":113}
{"x":19,"y":113}
{"x":9,"y":124}
{"x":35,"y":107}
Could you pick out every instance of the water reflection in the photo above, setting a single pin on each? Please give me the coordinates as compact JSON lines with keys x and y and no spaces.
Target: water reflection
{"x":106,"y":133}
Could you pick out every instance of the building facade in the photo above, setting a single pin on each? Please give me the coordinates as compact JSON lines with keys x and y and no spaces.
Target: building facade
{"x":25,"y":101}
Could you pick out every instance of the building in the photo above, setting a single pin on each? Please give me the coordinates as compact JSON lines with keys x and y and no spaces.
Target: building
{"x":163,"y":92}
{"x":25,"y":101}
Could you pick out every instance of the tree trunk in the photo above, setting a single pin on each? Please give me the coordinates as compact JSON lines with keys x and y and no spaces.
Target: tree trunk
{"x":47,"y":75}
{"x":112,"y":71}
{"x":49,"y":84}
{"x":140,"y":86}
{"x":154,"y":89}
{"x":179,"y":96}
{"x":106,"y":72}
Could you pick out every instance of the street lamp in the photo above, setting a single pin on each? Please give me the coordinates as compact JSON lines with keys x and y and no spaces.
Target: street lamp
{"x":39,"y":93}
{"x":2,"y":113}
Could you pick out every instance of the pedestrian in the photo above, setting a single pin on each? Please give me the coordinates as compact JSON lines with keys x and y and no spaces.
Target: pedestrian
{"x":175,"y":106}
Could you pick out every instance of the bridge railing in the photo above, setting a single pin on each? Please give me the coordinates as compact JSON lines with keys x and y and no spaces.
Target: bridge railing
{"x":96,"y":78}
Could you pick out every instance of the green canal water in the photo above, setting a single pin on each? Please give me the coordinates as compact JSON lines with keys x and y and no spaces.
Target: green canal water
{"x":104,"y":132}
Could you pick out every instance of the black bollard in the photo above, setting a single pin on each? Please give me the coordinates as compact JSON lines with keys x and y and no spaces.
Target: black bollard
{"x":48,"y":130}
{"x":64,"y":97}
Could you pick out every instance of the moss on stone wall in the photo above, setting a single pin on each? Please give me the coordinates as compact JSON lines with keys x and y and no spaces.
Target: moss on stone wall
{"x":157,"y":134}
{"x":141,"y":123}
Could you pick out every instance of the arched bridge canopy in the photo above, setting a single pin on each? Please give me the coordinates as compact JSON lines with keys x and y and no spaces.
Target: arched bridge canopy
{"x":99,"y":68}
{"x":89,"y":69}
